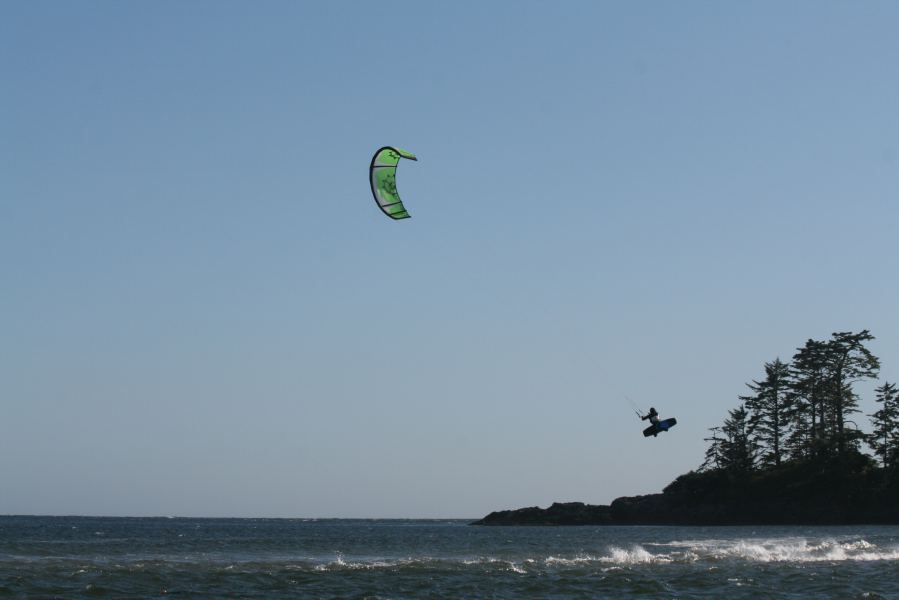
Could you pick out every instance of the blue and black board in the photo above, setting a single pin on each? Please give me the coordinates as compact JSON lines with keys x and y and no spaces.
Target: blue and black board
{"x":659,"y":427}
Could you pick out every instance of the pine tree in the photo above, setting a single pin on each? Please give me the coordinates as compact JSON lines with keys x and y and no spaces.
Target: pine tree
{"x":737,"y":449}
{"x":808,"y":376}
{"x":848,"y":361}
{"x":714,"y":452}
{"x":884,"y":440}
{"x":768,"y":407}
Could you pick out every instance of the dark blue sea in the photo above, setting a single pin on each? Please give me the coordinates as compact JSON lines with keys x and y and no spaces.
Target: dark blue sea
{"x":85,"y":557}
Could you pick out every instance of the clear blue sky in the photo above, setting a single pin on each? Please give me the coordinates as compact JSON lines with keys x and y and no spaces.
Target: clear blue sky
{"x":204,"y":313}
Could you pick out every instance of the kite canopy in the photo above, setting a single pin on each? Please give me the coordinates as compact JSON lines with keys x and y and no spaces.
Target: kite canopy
{"x":382,"y":175}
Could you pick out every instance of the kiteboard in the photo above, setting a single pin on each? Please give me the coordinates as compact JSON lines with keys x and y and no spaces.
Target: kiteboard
{"x":659,"y":427}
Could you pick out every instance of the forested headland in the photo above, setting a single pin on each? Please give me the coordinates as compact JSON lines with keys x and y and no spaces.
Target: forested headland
{"x":792,"y":450}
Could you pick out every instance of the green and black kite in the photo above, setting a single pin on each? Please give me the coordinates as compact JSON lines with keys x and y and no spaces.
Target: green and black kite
{"x":382,"y":175}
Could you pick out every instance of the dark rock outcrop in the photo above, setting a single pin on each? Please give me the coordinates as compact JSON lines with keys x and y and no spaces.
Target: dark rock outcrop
{"x":821,"y":492}
{"x":560,"y":513}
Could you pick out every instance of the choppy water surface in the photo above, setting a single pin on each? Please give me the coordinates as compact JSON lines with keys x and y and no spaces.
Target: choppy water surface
{"x":75,"y":557}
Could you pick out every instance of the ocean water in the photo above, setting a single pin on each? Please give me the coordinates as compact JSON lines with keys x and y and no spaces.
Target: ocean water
{"x":84,"y":557}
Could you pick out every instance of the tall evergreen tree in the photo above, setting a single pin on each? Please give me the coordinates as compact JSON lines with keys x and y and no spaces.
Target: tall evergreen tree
{"x":737,"y":449}
{"x":714,"y":452}
{"x":802,"y":409}
{"x":884,"y":440}
{"x":848,"y":361}
{"x":768,"y":408}
{"x":808,"y":376}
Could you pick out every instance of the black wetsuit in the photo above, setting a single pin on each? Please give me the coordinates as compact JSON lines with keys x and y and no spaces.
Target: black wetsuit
{"x":653,"y":417}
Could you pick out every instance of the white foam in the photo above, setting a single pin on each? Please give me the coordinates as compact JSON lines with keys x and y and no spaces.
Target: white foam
{"x":517,"y":568}
{"x":787,"y":550}
{"x":797,"y":550}
{"x":577,"y":560}
{"x":635,"y":556}
{"x":709,"y":553}
{"x":506,"y":564}
{"x":339,"y":563}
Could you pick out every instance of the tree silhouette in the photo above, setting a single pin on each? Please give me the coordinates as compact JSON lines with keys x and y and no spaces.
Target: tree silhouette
{"x":768,"y":408}
{"x":737,"y":449}
{"x":848,"y":361}
{"x":884,"y":440}
{"x":808,"y":374}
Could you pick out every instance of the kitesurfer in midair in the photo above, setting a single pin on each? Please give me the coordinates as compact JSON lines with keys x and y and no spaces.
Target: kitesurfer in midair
{"x":653,"y":417}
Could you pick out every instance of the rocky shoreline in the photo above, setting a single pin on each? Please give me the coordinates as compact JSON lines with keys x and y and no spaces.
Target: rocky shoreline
{"x":806,"y":494}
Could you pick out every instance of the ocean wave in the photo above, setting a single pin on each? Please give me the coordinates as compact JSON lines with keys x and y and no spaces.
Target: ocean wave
{"x":790,"y":550}
{"x":624,"y":557}
{"x":787,"y":550}
{"x":424,"y":562}
{"x":710,"y":552}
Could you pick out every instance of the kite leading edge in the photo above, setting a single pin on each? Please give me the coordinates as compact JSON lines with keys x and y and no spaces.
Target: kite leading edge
{"x":382,"y":175}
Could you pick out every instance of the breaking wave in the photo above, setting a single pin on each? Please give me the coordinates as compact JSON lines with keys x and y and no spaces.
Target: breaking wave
{"x":749,"y":550}
{"x":789,"y":550}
